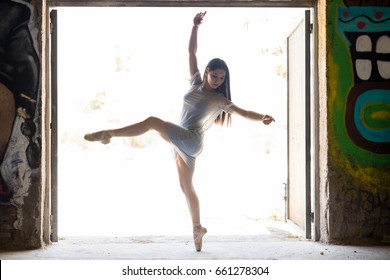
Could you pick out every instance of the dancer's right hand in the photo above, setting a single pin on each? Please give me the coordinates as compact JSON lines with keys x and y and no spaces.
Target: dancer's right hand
{"x":199,"y":18}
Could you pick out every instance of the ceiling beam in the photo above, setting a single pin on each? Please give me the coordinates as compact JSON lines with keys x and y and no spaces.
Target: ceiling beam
{"x":182,"y":3}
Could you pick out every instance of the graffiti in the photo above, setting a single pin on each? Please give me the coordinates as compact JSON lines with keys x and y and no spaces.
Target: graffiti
{"x":359,"y":110}
{"x":366,"y":30}
{"x":19,"y":83}
{"x":367,"y":116}
{"x":384,"y":3}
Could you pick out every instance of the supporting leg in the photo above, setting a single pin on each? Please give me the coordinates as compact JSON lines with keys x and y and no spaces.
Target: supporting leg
{"x":185,"y":178}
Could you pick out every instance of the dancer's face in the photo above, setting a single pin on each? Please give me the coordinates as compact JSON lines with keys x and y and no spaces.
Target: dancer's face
{"x":215,"y":78}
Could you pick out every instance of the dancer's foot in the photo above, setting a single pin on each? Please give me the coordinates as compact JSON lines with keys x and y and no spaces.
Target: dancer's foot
{"x":103,"y":136}
{"x":199,"y":232}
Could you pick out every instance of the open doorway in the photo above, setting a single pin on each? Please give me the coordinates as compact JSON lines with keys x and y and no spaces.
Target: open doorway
{"x":120,"y":65}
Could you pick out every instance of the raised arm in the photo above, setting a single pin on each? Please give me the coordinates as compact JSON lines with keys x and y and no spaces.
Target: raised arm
{"x":250,"y":115}
{"x":193,"y":45}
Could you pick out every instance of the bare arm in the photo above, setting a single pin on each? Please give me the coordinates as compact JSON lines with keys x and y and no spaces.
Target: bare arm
{"x":193,"y":44}
{"x":250,"y":115}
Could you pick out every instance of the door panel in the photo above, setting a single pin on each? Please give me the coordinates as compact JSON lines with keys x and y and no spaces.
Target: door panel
{"x":298,"y":100}
{"x":53,"y":127}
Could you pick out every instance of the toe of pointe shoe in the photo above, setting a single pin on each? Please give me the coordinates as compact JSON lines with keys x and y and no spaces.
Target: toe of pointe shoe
{"x":89,"y":137}
{"x":198,"y":241}
{"x":103,"y":137}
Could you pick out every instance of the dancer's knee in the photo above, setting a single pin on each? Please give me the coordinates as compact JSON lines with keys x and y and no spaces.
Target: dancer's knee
{"x":183,"y":187}
{"x":153,"y":122}
{"x":186,"y":187}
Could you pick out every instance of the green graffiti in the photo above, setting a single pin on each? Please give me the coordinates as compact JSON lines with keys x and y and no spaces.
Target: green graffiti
{"x":369,"y":169}
{"x":376,"y":116}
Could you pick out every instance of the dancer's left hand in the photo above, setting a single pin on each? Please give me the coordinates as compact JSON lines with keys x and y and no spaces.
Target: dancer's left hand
{"x":268,"y":119}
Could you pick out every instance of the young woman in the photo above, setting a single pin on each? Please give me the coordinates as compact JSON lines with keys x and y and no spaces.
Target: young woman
{"x":207,"y":101}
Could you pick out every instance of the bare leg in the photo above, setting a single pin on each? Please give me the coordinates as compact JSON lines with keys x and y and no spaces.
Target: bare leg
{"x":151,"y":123}
{"x":185,"y":173}
{"x":185,"y":178}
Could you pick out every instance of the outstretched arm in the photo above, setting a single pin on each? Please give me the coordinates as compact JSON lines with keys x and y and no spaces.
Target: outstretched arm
{"x":193,"y":45}
{"x":250,"y":115}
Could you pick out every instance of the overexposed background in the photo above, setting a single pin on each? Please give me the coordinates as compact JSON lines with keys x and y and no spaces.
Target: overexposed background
{"x":117,"y":66}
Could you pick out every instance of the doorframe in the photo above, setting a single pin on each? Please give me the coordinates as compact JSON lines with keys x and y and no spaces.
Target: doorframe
{"x":320,"y":219}
{"x":53,"y":127}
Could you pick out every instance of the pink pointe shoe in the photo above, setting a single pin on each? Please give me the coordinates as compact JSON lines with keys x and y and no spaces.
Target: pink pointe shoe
{"x":198,"y":237}
{"x":103,"y":136}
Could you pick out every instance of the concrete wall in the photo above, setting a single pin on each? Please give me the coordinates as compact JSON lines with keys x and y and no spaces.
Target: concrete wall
{"x":358,"y":119}
{"x":353,"y":116}
{"x":20,"y":121}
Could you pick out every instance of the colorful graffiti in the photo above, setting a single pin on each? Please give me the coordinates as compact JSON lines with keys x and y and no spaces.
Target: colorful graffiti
{"x":366,"y":30}
{"x":358,"y":36}
{"x":19,"y":85}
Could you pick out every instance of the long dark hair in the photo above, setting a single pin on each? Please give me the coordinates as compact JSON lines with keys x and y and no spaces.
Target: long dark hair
{"x":216,"y":63}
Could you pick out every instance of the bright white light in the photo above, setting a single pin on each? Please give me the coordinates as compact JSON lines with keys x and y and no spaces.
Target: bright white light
{"x":135,"y":61}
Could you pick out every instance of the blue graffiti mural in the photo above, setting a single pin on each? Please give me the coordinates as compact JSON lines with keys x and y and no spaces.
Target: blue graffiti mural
{"x":368,"y":102}
{"x":366,"y":31}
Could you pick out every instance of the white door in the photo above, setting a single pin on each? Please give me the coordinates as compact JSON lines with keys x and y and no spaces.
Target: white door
{"x":298,"y":102}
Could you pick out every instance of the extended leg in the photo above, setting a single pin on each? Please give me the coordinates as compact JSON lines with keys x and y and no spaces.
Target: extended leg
{"x":185,"y":178}
{"x":151,"y":123}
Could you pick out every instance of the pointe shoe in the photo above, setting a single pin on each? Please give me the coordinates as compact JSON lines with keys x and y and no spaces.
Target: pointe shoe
{"x":198,"y":237}
{"x":101,"y":136}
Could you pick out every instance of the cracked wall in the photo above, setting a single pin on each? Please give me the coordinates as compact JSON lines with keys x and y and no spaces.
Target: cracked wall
{"x":20,"y":140}
{"x":358,"y":119}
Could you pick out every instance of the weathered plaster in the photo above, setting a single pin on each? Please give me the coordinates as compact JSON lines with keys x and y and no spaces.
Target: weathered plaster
{"x":20,"y":166}
{"x":323,"y":184}
{"x":357,"y":173}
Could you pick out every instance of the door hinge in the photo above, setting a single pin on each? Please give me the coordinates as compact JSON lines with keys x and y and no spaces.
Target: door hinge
{"x":312,"y":217}
{"x":311,"y":28}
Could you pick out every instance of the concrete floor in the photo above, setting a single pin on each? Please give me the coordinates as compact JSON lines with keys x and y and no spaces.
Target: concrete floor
{"x":276,"y":241}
